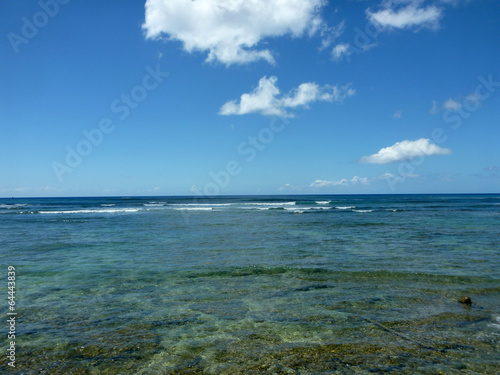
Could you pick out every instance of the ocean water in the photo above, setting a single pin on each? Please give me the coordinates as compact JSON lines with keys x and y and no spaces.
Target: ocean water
{"x":254,"y":285}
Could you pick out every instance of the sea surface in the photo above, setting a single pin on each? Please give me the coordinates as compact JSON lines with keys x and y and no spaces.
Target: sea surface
{"x":253,"y":285}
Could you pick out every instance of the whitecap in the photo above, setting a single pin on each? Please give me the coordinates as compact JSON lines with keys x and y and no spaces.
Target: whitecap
{"x":271,"y":204}
{"x":323,"y":202}
{"x":193,"y":208}
{"x":308,"y":208}
{"x":497,"y":324}
{"x":97,"y":211}
{"x":345,"y":207}
{"x":201,"y":204}
{"x":13,"y":206}
{"x":363,"y":211}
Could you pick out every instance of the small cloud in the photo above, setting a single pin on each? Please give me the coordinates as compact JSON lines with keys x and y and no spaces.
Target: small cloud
{"x":341,"y":50}
{"x":400,"y":178}
{"x":404,"y":151}
{"x":264,"y":99}
{"x":411,"y":16}
{"x":330,"y":34}
{"x":452,"y":105}
{"x":434,"y":109}
{"x":344,"y":182}
{"x":398,"y":114}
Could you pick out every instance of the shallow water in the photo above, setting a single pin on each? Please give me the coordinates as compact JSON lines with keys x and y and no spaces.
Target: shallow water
{"x":250,"y":285}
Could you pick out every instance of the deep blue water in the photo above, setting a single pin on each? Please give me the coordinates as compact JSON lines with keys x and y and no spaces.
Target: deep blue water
{"x":243,"y":285}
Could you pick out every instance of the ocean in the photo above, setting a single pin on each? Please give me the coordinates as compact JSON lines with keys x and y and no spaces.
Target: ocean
{"x":253,"y":284}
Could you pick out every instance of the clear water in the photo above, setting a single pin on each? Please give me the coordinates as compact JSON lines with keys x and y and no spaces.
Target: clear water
{"x":254,"y":285}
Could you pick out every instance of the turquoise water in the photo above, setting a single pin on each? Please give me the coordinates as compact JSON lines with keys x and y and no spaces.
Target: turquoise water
{"x":254,"y":285}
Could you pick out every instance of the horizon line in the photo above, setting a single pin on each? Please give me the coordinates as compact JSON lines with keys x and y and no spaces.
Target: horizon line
{"x":237,"y":195}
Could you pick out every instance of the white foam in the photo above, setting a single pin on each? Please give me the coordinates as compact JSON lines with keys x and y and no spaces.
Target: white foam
{"x":97,"y":211}
{"x":323,"y":202}
{"x":345,"y":207}
{"x":201,"y":204}
{"x":277,"y":204}
{"x":107,"y":205}
{"x":362,"y":211}
{"x":308,"y":208}
{"x":9,"y":206}
{"x":193,"y":208}
{"x":496,"y":325}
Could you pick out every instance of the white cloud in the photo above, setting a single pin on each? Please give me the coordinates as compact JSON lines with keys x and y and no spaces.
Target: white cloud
{"x":344,"y":182}
{"x":264,"y":99}
{"x":330,"y":34}
{"x":405,"y":150}
{"x":403,"y":17}
{"x":452,"y":105}
{"x":230,"y":30}
{"x":341,"y":50}
{"x":354,"y":181}
{"x":398,"y":114}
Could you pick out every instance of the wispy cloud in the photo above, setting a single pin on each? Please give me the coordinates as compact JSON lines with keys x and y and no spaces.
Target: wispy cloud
{"x":398,"y":114}
{"x":231,"y":30}
{"x":341,"y":50}
{"x":404,"y":151}
{"x":405,"y":14}
{"x":265,"y":98}
{"x":355,"y":181}
{"x":452,"y":105}
{"x":330,"y":33}
{"x":343,"y":182}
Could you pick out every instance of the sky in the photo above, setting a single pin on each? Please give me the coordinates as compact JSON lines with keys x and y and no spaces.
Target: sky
{"x":232,"y":97}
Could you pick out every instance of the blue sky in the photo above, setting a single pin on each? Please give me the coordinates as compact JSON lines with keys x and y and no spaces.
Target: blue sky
{"x":204,"y":97}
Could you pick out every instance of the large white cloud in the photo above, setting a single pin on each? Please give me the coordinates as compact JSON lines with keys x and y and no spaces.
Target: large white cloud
{"x":404,"y":14}
{"x":265,"y":98}
{"x":404,"y":151}
{"x":230,"y":30}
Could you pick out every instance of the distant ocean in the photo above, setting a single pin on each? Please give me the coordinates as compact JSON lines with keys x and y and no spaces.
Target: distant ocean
{"x":253,"y":285}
